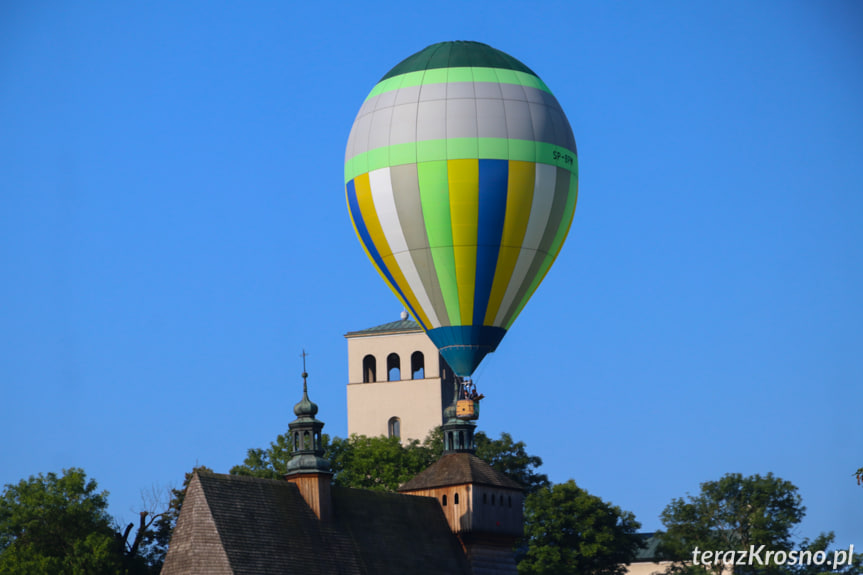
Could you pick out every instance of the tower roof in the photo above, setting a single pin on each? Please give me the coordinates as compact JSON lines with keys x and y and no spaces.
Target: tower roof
{"x":459,"y":469}
{"x":400,"y":326}
{"x":307,"y":451}
{"x":305,"y":408}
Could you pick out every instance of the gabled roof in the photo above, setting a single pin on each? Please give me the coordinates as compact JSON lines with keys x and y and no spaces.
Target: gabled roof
{"x":401,"y":326}
{"x":237,"y":525}
{"x":459,"y":469}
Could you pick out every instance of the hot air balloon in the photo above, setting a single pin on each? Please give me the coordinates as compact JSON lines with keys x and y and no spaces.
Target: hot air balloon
{"x":461,"y":179}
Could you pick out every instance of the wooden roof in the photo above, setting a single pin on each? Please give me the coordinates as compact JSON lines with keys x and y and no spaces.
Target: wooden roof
{"x":459,"y":469}
{"x":236,"y":525}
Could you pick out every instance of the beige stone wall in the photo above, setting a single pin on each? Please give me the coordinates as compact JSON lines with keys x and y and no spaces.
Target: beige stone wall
{"x":416,"y":402}
{"x":380,"y":346}
{"x":647,"y":568}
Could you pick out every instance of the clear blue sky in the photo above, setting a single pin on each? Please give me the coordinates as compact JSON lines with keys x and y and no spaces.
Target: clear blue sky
{"x":173,"y":232}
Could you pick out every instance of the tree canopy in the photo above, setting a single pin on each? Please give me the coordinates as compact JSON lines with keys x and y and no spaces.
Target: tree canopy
{"x":511,"y":458}
{"x":57,"y":524}
{"x":732,"y":513}
{"x":383,"y":463}
{"x":570,"y":531}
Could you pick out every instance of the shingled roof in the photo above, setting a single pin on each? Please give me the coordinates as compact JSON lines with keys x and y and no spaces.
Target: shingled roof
{"x":458,"y":469}
{"x":233,"y":525}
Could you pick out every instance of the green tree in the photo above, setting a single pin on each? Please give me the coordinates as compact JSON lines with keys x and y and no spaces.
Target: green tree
{"x":270,"y":463}
{"x":732,"y":513}
{"x":377,"y":463}
{"x":511,"y":459}
{"x":850,"y":565}
{"x":57,"y":524}
{"x":570,"y":531}
{"x":383,"y":463}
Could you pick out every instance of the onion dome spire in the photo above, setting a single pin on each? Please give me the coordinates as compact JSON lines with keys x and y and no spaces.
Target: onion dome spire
{"x":307,"y":449}
{"x":306,"y":407}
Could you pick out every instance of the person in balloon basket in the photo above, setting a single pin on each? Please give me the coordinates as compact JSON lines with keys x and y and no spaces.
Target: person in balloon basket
{"x":471,"y":393}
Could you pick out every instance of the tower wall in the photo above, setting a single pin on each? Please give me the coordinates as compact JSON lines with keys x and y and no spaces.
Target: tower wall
{"x":373,"y":401}
{"x":416,"y":404}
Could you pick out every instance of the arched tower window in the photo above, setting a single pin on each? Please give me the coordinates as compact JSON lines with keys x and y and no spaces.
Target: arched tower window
{"x":418,"y":370}
{"x":394,"y":372}
{"x":443,"y":499}
{"x":369,"y":369}
{"x":394,"y":427}
{"x":455,"y":499}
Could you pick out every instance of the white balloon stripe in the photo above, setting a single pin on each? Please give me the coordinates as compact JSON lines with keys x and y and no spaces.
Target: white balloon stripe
{"x":385,"y":206}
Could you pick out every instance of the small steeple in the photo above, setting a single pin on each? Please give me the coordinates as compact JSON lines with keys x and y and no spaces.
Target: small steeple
{"x":457,"y":433}
{"x":308,"y":469}
{"x":306,"y":447}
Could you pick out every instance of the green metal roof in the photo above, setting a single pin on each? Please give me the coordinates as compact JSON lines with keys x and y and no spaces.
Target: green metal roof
{"x":456,"y":55}
{"x":647,"y":552}
{"x":401,"y":326}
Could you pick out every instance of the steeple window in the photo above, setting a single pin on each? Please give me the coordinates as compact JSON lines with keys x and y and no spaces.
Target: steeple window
{"x":417,"y":365}
{"x":369,"y":369}
{"x":394,"y":372}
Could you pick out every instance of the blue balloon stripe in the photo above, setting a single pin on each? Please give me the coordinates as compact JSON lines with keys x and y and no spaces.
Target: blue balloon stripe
{"x":464,"y":346}
{"x":493,"y":182}
{"x":366,"y":238}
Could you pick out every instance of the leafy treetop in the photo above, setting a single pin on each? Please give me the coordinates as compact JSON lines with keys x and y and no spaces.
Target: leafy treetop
{"x":568,"y":530}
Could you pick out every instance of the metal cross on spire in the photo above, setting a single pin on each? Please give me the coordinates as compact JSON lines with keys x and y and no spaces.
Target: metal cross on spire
{"x":305,"y":374}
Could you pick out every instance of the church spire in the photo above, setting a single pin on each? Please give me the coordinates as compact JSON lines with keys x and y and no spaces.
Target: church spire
{"x":308,"y":469}
{"x":457,"y":433}
{"x":306,"y":446}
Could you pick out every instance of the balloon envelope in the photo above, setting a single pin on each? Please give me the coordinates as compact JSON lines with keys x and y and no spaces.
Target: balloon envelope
{"x":461,"y":178}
